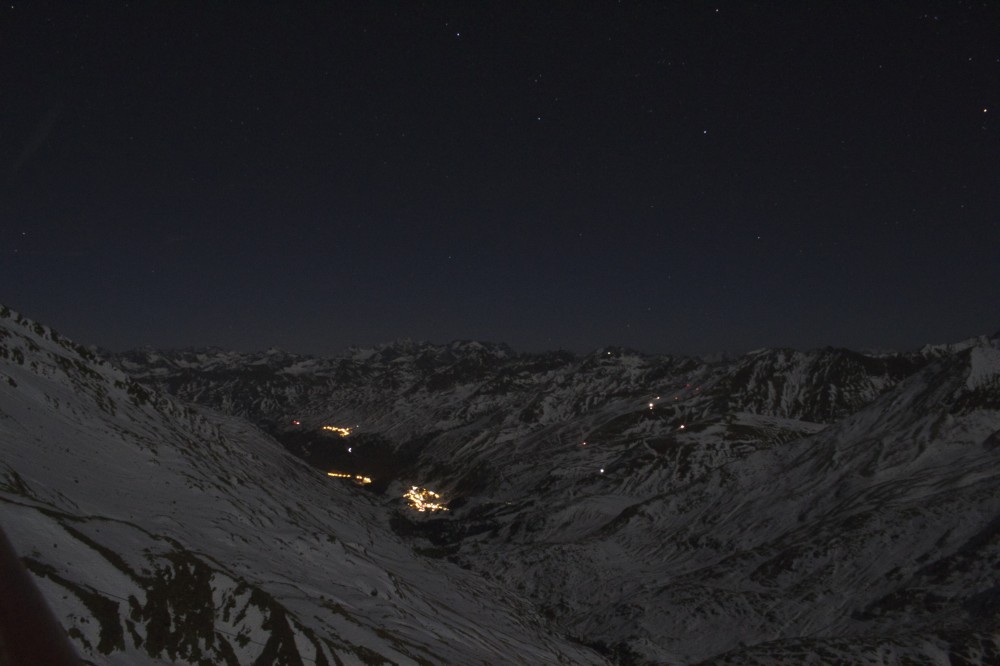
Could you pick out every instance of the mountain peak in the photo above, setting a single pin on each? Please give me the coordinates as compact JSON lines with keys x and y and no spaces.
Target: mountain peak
{"x":161,"y":531}
{"x":779,"y":506}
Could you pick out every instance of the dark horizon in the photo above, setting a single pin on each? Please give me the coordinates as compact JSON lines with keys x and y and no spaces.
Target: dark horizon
{"x":727,"y":353}
{"x":676,"y":179}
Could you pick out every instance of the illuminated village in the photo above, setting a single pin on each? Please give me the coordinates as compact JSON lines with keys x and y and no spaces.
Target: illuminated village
{"x":421,"y":499}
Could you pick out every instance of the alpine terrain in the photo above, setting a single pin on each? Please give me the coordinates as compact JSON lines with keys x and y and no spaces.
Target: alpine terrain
{"x":466,"y":504}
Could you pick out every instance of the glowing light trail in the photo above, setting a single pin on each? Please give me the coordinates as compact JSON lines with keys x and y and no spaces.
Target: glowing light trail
{"x":357,"y":478}
{"x":343,"y":432}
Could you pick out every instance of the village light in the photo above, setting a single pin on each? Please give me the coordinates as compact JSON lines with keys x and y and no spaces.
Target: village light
{"x":420,"y":499}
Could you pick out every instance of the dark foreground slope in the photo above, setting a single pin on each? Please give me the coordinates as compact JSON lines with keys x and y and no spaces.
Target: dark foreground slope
{"x":161,"y":532}
{"x":807,"y":507}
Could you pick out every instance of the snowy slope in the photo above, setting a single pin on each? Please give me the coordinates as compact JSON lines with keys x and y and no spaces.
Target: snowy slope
{"x":812,"y":507}
{"x":803,"y":507}
{"x":160,"y":532}
{"x":879,"y":530}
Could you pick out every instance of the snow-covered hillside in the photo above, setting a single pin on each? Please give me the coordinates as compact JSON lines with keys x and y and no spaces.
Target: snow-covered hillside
{"x":161,"y":532}
{"x":782,"y":507}
{"x":819,"y":507}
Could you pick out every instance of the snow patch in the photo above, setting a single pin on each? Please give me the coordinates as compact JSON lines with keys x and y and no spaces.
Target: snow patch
{"x":984,"y":366}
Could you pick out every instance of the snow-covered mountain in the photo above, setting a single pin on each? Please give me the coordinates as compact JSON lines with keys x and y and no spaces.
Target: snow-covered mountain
{"x":164,"y":533}
{"x":781,"y":507}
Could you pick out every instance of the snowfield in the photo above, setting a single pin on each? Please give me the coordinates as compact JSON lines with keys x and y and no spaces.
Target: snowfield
{"x":163,"y":533}
{"x":781,"y":507}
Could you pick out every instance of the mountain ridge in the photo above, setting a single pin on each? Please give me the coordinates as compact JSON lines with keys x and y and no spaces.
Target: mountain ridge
{"x":164,"y":531}
{"x":812,"y":507}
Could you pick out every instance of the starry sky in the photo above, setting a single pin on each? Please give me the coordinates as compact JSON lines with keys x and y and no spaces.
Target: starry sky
{"x":675,"y":177}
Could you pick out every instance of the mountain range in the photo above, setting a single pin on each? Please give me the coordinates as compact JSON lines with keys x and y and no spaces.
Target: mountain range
{"x":825,"y":506}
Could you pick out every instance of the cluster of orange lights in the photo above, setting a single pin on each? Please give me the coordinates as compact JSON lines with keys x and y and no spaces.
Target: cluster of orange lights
{"x":421,"y":499}
{"x":343,"y":432}
{"x":357,"y":478}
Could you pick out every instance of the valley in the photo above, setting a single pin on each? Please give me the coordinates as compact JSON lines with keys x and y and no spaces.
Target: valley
{"x":614,"y":507}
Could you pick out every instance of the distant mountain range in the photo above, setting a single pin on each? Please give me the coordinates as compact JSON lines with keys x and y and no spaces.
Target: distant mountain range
{"x":783,"y":506}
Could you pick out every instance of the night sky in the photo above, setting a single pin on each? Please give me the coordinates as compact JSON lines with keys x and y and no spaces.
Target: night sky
{"x":675,"y":177}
